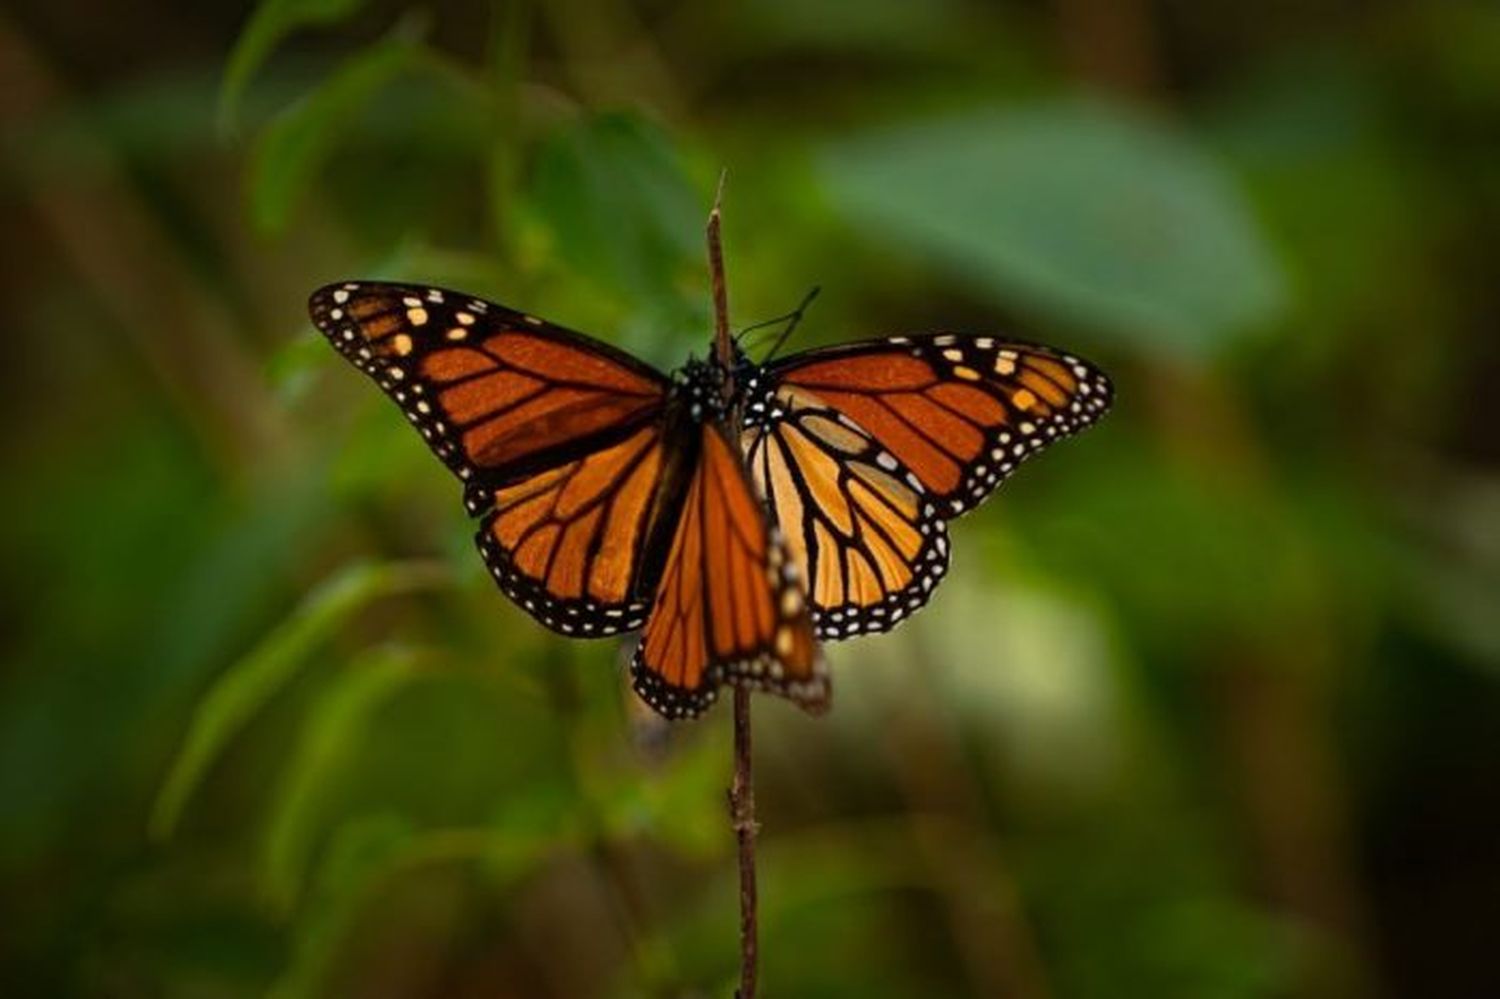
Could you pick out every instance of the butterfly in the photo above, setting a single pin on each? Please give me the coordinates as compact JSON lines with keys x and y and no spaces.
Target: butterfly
{"x":735,"y":531}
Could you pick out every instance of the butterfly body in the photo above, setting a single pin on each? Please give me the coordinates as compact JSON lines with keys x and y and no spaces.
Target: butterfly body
{"x":735,"y":515}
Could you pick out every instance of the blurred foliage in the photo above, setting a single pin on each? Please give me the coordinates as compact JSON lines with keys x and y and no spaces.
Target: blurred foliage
{"x":1208,"y":707}
{"x":270,"y":23}
{"x":1076,"y":210}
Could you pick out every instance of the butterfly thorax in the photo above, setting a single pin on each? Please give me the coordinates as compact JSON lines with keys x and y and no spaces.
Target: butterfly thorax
{"x":698,"y":386}
{"x":759,"y":406}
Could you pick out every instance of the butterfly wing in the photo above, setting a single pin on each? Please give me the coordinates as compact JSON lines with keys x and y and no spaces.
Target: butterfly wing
{"x":872,"y":540}
{"x":556,"y":437}
{"x":498,"y":395}
{"x":567,"y":544}
{"x":959,"y":412}
{"x":730,"y":605}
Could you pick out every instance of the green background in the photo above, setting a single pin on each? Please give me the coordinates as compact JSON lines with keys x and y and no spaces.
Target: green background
{"x":1209,"y":705}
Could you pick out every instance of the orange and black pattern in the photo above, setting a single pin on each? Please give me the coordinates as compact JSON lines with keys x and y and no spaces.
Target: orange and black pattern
{"x":555,"y":435}
{"x":959,"y":412}
{"x":496,"y":393}
{"x":566,"y":544}
{"x":612,"y":498}
{"x":730,"y":606}
{"x":862,"y":525}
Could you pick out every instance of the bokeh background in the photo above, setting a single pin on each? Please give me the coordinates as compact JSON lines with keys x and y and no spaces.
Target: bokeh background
{"x":1208,"y":707}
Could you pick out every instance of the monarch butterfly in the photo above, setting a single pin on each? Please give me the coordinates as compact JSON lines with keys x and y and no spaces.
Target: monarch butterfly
{"x":612,"y":497}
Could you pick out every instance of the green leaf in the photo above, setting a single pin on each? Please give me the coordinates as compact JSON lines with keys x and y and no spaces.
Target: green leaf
{"x":330,"y":736}
{"x":368,"y":856}
{"x":291,"y":366}
{"x":272,"y":21}
{"x":296,"y":144}
{"x":615,"y":193}
{"x":361,"y":855}
{"x":679,"y":803}
{"x":1081,"y":212}
{"x":249,"y":683}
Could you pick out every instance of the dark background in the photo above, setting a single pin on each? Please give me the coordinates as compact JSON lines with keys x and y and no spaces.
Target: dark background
{"x":1209,"y":705}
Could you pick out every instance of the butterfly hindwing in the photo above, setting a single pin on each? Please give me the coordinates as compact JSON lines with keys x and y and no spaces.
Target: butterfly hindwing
{"x":567,"y":544}
{"x":498,"y":395}
{"x":872,"y":542}
{"x":730,"y":606}
{"x":959,"y":412}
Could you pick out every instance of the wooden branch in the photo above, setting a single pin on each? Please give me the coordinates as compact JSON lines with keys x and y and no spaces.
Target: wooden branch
{"x":742,"y":790}
{"x":742,"y":817}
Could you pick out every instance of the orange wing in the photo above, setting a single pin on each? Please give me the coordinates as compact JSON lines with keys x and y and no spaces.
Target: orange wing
{"x":730,"y":606}
{"x":498,"y":395}
{"x":557,"y":438}
{"x":568,"y":544}
{"x":959,"y":412}
{"x":870,"y":537}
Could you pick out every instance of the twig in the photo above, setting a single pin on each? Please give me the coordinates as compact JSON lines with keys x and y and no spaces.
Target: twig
{"x":742,"y":790}
{"x":723,"y":343}
{"x":742,"y":817}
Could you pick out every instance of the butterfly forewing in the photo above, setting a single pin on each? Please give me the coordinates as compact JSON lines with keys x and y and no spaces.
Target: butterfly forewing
{"x":959,"y":412}
{"x":730,"y":606}
{"x":499,"y":395}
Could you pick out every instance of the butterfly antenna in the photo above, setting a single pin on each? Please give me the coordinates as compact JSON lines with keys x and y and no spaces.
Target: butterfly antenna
{"x":776,"y":320}
{"x":739,"y":337}
{"x":793,"y":319}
